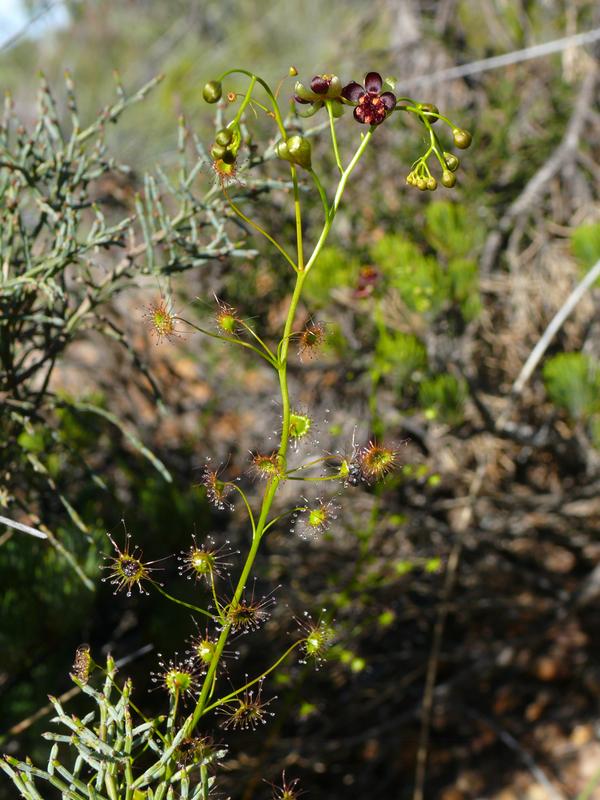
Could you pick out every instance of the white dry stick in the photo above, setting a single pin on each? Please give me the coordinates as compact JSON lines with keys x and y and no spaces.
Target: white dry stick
{"x":24,"y":528}
{"x":504,"y":60}
{"x":554,"y":326}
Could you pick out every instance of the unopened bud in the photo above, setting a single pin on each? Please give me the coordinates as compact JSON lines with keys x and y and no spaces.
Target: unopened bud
{"x":429,"y":109}
{"x":299,"y":151}
{"x":282,"y":151}
{"x":224,"y":137}
{"x":212,"y":92}
{"x":452,"y":161}
{"x":217,"y":151}
{"x":462,"y":138}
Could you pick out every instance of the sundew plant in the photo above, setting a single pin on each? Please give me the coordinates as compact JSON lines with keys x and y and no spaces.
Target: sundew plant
{"x":115,"y":752}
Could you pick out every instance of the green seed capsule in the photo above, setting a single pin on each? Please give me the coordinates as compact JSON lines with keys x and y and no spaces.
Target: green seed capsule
{"x":452,"y":161}
{"x":448,"y":179}
{"x":462,"y":139}
{"x":429,"y":108}
{"x":282,"y":151}
{"x":299,"y":150}
{"x":212,"y":92}
{"x":224,"y":137}
{"x":217,"y":152}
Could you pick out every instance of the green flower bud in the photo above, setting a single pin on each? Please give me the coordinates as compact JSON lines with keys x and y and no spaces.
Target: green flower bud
{"x":431,"y":184}
{"x":282,"y":151}
{"x":452,"y":161}
{"x":429,"y":108}
{"x":299,"y":151}
{"x":448,"y":179}
{"x":217,"y":152}
{"x":462,"y":139}
{"x":224,"y":137}
{"x":422,"y":184}
{"x":292,"y":72}
{"x":212,"y":92}
{"x":335,"y":87}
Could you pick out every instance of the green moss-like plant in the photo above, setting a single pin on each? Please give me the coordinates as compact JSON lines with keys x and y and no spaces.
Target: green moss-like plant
{"x":573,"y":382}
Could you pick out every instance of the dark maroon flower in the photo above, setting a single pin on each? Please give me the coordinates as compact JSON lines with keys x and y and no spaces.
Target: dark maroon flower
{"x":372,"y":105}
{"x":322,"y":87}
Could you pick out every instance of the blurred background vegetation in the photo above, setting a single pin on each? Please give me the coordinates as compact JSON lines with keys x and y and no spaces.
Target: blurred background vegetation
{"x":478,"y":564}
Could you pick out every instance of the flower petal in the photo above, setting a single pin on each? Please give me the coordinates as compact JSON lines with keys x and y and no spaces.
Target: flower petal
{"x":319,"y":85}
{"x":335,"y":88}
{"x":389,"y":100}
{"x":306,"y":94}
{"x":373,"y":82}
{"x":353,"y":91}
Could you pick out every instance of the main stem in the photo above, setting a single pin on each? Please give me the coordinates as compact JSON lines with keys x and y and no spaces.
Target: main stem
{"x":272,"y":486}
{"x":267,"y":502}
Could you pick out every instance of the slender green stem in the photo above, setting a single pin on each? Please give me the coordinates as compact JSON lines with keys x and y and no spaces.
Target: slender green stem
{"x":321,"y":191}
{"x":334,"y":141}
{"x":283,"y":516}
{"x":267,"y":502}
{"x":262,"y":106}
{"x":260,"y":230}
{"x":337,"y":199}
{"x":246,"y":503}
{"x":243,"y":688}
{"x":308,"y":464}
{"x":246,"y":100}
{"x":269,"y":358}
{"x":258,"y":339}
{"x":208,"y":679}
{"x":298,"y":216}
{"x":214,"y":594}
{"x":315,"y":480}
{"x":419,"y":112}
{"x":267,"y":88}
{"x":182,"y":602}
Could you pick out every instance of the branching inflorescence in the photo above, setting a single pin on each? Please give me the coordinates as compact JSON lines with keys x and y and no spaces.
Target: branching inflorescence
{"x":179,"y":743}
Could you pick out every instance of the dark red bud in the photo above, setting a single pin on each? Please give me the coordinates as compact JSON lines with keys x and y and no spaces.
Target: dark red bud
{"x":319,"y":84}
